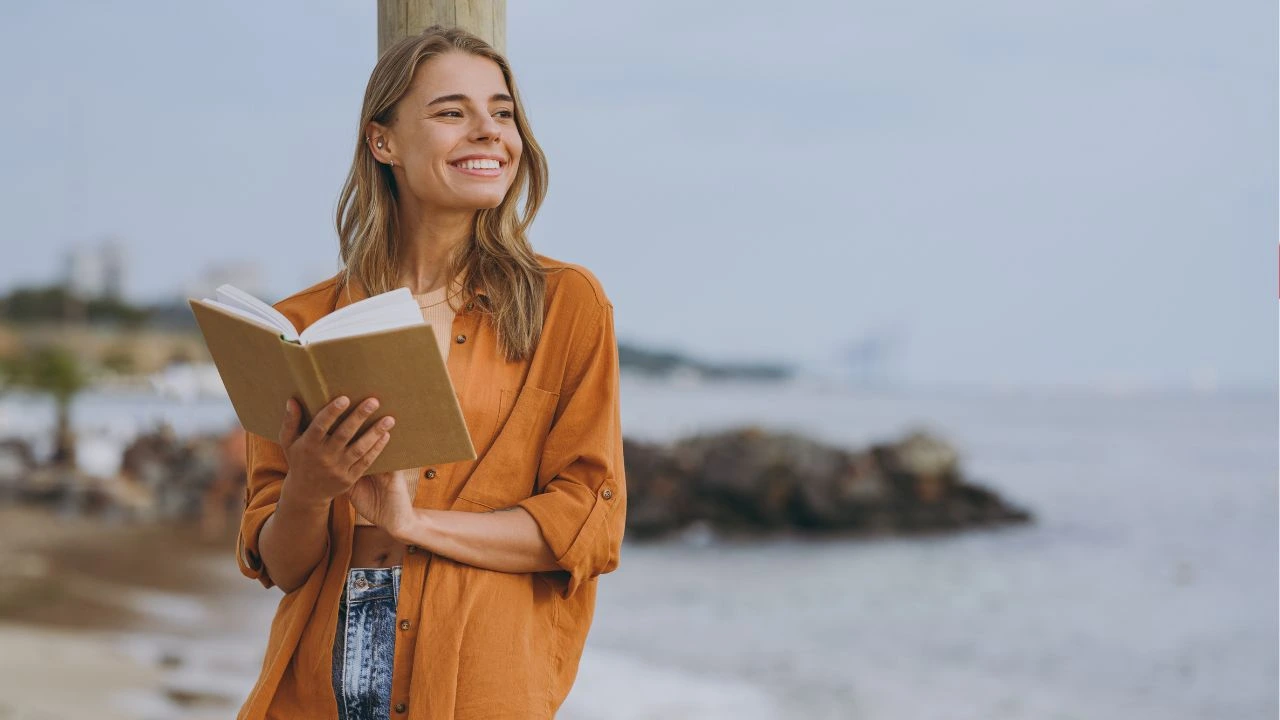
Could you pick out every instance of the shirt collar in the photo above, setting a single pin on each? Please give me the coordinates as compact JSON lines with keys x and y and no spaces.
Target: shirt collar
{"x":355,"y":291}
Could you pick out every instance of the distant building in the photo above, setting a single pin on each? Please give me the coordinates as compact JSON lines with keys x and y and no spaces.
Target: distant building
{"x":96,"y":271}
{"x":245,"y":275}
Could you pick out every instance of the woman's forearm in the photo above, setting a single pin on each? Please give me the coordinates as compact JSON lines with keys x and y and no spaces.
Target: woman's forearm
{"x":293,"y":541}
{"x":503,"y":540}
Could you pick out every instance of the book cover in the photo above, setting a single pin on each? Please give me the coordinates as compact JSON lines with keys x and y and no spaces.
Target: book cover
{"x":401,"y":367}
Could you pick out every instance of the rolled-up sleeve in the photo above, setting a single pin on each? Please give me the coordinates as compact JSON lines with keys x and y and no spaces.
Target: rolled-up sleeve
{"x":580,"y":505}
{"x":265,"y":466}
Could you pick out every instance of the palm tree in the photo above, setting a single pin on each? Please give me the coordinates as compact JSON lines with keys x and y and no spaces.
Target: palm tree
{"x":8,"y":368}
{"x":56,"y":371}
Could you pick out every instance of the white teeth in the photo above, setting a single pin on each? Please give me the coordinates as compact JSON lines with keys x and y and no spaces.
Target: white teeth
{"x":479,"y":164}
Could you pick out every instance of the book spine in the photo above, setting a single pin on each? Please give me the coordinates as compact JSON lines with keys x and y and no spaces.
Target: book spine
{"x":308,"y":379}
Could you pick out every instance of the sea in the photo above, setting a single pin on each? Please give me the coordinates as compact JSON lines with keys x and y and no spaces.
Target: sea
{"x":1146,"y":587}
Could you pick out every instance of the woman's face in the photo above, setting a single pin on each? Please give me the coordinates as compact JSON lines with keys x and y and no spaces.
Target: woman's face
{"x":453,"y":138}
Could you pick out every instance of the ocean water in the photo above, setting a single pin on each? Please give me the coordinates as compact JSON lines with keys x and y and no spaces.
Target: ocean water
{"x":1146,"y":588}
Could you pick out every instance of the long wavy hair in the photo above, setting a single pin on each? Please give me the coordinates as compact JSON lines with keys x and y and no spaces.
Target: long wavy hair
{"x":498,"y":257}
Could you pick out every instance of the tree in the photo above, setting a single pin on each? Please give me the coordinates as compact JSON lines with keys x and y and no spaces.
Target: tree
{"x":8,"y":371}
{"x":56,"y":371}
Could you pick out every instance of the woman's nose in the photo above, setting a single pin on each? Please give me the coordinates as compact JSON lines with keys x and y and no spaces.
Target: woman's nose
{"x":488,"y":129}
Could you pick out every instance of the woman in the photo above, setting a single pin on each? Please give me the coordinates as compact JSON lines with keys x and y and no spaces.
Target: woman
{"x":464,"y":590}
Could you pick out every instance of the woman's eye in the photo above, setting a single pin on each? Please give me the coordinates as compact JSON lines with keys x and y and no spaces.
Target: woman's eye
{"x":505,"y":114}
{"x":451,"y":113}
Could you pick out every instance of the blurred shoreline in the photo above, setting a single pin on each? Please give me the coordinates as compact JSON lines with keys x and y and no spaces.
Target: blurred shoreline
{"x":95,"y":615}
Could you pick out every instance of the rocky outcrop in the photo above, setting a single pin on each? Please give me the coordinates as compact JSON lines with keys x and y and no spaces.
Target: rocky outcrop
{"x":161,"y":476}
{"x":16,"y":461}
{"x":748,"y":481}
{"x":745,"y":481}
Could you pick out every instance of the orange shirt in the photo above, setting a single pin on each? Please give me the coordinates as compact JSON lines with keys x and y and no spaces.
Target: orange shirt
{"x":479,"y":644}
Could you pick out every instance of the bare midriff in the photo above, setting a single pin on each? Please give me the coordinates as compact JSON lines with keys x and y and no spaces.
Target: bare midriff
{"x":374,"y":547}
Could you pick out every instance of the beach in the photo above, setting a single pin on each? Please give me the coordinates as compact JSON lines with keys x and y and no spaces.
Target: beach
{"x":1146,"y":588}
{"x":114,"y":621}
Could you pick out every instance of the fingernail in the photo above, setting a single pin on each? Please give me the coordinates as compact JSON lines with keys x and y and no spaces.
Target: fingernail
{"x":370,"y":404}
{"x":387,"y":422}
{"x":344,"y":401}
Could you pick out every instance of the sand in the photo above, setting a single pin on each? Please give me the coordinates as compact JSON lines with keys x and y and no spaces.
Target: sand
{"x":103,"y":620}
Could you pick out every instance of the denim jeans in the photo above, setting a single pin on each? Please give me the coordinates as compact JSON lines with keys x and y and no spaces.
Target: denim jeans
{"x":364,"y":648}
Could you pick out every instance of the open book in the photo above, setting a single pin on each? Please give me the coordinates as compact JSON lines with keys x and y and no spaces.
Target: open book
{"x":377,"y":347}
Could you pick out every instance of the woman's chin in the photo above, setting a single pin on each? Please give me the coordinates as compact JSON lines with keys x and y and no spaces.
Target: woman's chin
{"x":465,"y":202}
{"x":486,"y":202}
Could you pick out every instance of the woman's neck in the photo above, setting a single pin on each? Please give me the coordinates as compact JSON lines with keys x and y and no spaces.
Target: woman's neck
{"x":427,"y":243}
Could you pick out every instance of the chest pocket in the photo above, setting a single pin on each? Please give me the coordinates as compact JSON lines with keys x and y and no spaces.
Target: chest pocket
{"x":508,"y":471}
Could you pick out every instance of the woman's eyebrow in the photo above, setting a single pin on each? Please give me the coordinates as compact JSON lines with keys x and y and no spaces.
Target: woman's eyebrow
{"x":459,"y":97}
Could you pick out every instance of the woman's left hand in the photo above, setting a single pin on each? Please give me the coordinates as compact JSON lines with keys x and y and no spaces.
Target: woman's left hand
{"x":383,"y":499}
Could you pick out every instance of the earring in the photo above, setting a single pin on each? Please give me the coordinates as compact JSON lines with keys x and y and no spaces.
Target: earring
{"x":392,"y":163}
{"x":379,"y":143}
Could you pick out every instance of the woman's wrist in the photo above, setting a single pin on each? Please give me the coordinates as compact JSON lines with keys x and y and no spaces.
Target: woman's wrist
{"x":414,"y":528}
{"x":295,"y":502}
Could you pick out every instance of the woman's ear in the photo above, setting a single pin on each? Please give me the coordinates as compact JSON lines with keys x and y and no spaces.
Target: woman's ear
{"x":379,"y":142}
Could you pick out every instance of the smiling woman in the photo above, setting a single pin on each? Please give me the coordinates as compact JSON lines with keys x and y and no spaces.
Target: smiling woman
{"x":434,"y":106}
{"x":464,"y":590}
{"x":434,"y":135}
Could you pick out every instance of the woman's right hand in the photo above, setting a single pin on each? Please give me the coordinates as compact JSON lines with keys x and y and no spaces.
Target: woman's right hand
{"x":325,"y":461}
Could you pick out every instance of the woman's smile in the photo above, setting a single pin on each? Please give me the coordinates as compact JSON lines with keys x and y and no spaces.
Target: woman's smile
{"x":487,"y":166}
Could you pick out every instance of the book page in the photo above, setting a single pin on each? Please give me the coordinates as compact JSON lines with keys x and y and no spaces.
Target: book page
{"x":234,"y":298}
{"x":244,"y":314}
{"x":387,"y":311}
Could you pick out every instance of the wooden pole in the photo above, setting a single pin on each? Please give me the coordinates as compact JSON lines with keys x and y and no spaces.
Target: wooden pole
{"x":398,"y":19}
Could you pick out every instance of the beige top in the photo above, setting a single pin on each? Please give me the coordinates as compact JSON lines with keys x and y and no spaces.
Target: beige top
{"x":437,"y":312}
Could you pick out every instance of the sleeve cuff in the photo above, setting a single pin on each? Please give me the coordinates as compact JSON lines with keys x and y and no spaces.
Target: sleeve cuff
{"x":248,"y":555}
{"x":573,"y":521}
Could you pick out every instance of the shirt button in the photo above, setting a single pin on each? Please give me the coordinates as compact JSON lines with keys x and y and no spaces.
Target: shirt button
{"x":412,"y":549}
{"x":607,"y":494}
{"x":431,"y":473}
{"x":461,"y":339}
{"x":471,"y":306}
{"x":404,"y":624}
{"x":400,"y":707}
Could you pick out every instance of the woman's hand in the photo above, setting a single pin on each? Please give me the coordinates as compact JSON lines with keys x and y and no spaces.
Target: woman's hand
{"x":383,"y":499}
{"x":325,"y":461}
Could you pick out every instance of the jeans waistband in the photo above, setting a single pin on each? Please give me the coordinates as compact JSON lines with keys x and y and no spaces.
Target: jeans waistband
{"x":366,"y":584}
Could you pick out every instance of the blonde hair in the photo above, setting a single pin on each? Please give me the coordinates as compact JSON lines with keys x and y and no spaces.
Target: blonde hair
{"x":498,"y":257}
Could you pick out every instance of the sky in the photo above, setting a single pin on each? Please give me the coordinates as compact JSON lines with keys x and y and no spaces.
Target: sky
{"x":1005,"y":193}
